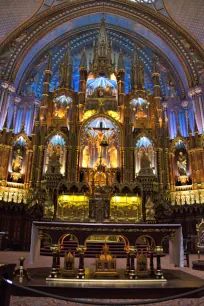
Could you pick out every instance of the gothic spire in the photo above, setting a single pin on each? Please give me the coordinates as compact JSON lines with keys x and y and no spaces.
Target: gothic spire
{"x":137,"y":72}
{"x":49,"y":62}
{"x":103,"y":38}
{"x":65,"y":70}
{"x":121,"y":64}
{"x":83,"y":61}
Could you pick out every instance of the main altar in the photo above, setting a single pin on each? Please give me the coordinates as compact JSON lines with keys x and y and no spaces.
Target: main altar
{"x":100,"y":176}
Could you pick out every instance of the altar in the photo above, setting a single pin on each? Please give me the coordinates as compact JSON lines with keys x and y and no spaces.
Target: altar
{"x":130,"y":233}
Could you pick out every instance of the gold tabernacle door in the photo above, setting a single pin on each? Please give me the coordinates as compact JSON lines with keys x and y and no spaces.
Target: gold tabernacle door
{"x":126,"y":208}
{"x":73,"y":207}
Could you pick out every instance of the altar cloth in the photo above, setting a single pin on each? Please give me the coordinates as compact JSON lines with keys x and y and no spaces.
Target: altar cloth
{"x":130,"y":231}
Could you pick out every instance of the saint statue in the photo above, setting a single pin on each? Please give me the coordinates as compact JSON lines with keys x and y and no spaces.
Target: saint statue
{"x":17,"y":162}
{"x":182,"y":164}
{"x":150,"y":211}
{"x":86,"y":157}
{"x":145,"y":162}
{"x":113,"y":153}
{"x":54,"y":165}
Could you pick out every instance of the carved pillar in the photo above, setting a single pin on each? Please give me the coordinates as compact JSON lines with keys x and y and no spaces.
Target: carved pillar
{"x":122,"y":164}
{"x":166,"y":168}
{"x":40,"y":165}
{"x":68,"y":163}
{"x":29,"y":158}
{"x":197,"y":94}
{"x":172,"y":174}
{"x":132,"y":273}
{"x":159,"y":166}
{"x":6,"y":90}
{"x":17,"y":100}
{"x":202,"y":184}
{"x":81,"y":249}
{"x":5,"y":163}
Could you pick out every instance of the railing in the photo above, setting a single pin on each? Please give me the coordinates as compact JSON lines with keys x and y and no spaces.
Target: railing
{"x":8,"y":287}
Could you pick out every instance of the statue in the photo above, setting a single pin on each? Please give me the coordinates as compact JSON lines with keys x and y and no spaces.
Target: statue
{"x":113,"y":153}
{"x":54,"y":165}
{"x":144,"y":162}
{"x":68,"y":261}
{"x":17,"y":162}
{"x":182,"y":164}
{"x":86,"y":157}
{"x":150,"y":212}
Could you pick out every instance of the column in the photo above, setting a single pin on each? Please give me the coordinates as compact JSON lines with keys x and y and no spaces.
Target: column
{"x":197,"y":95}
{"x":40,"y":165}
{"x":29,"y":157}
{"x":6,"y":90}
{"x":81,"y":249}
{"x":185,"y":106}
{"x":132,"y":273}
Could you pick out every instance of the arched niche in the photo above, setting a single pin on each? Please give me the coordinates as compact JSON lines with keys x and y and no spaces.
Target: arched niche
{"x":100,"y":144}
{"x":144,"y":150}
{"x":55,"y":156}
{"x":101,"y":85}
{"x":17,"y":163}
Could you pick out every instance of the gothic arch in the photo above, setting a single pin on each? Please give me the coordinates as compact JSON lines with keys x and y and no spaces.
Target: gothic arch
{"x":178,"y":138}
{"x":54,"y":133}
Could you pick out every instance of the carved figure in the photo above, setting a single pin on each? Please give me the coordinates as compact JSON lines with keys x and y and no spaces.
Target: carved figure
{"x":150,"y":212}
{"x":85,"y":157}
{"x":113,"y":153}
{"x":54,"y":163}
{"x":68,"y":261}
{"x":182,"y":164}
{"x":17,"y":162}
{"x":144,"y":162}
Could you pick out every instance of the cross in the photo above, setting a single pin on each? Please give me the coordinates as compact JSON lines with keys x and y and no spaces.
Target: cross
{"x":101,"y":128}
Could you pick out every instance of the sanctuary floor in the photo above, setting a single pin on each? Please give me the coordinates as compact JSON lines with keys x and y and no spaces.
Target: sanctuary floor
{"x":176,"y":278}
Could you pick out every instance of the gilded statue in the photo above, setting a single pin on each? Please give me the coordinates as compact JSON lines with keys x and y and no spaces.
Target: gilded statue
{"x":17,"y":162}
{"x":113,"y":153}
{"x":86,"y":157}
{"x":182,"y":164}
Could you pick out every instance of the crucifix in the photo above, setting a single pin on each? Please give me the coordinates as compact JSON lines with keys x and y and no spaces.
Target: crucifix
{"x":100,"y":139}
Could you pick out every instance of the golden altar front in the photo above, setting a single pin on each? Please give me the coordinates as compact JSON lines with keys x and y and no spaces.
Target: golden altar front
{"x":73,"y":207}
{"x":126,"y":208}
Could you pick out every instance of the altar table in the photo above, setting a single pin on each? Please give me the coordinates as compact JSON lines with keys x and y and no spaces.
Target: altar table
{"x":131,"y":231}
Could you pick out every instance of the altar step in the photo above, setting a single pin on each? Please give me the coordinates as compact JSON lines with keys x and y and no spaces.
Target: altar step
{"x":93,"y":249}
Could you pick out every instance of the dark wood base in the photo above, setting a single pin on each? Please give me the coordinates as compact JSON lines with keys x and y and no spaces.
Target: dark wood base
{"x":178,"y":282}
{"x":198,"y":265}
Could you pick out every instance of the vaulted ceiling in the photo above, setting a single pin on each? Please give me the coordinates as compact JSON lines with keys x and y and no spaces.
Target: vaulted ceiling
{"x":172,"y":29}
{"x":189,"y":14}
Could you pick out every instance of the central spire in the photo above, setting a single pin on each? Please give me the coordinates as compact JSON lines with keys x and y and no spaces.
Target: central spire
{"x":102,"y":64}
{"x":103,"y":38}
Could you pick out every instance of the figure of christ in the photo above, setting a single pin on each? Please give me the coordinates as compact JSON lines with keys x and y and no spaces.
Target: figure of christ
{"x":86,"y":157}
{"x":100,"y":134}
{"x":113,"y":153}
